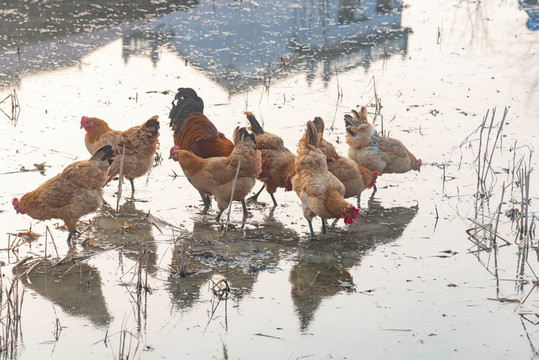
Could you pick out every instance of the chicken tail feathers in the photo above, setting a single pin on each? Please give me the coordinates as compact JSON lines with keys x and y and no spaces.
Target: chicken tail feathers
{"x":241,"y":134}
{"x":313,"y":137}
{"x":349,"y":123}
{"x":102,"y":154}
{"x":361,"y":116}
{"x":348,"y":120}
{"x":255,"y":125}
{"x":319,"y":123}
{"x":153,"y":123}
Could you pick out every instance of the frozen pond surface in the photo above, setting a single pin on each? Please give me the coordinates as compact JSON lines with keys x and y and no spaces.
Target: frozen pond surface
{"x":404,"y":281}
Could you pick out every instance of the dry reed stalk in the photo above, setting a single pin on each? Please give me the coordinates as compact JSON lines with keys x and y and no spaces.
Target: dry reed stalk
{"x":15,"y":107}
{"x":498,"y":212}
{"x":340,"y":95}
{"x":180,"y":260}
{"x":27,"y":271}
{"x":47,"y":230}
{"x":485,"y":154}
{"x":10,"y":329}
{"x":123,"y":346}
{"x":524,"y":241}
{"x":142,"y":269}
{"x":487,"y":228}
{"x":120,"y":177}
{"x":57,"y":325}
{"x":62,"y":277}
{"x":233,"y":188}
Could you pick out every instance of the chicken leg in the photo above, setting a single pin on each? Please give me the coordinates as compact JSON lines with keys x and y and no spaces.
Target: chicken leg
{"x":254,"y":198}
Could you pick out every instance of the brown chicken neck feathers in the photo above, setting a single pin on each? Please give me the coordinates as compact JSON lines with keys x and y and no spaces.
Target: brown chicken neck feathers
{"x":200,"y":136}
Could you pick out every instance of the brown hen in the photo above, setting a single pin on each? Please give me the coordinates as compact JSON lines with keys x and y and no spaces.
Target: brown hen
{"x":320,"y":192}
{"x":73,"y":193}
{"x":138,"y":145}
{"x":375,"y":152}
{"x":225,"y":178}
{"x":277,"y":161}
{"x":353,"y":176}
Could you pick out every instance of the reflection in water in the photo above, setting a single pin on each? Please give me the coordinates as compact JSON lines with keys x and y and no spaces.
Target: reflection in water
{"x":47,"y":35}
{"x":129,"y":228}
{"x":321,"y":270}
{"x":532,"y":9}
{"x":322,"y":266}
{"x":238,"y":45}
{"x":75,"y":288}
{"x":239,"y":257}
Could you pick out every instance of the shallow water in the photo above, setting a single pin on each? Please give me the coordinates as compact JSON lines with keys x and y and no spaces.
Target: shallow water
{"x":404,"y":281}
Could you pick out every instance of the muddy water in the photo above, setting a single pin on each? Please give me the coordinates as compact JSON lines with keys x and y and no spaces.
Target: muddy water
{"x":404,"y":281}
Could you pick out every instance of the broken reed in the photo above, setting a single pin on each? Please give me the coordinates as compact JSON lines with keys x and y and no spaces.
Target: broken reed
{"x":15,"y":107}
{"x":120,"y":177}
{"x":125,"y":349}
{"x":376,"y":101}
{"x":487,"y":146}
{"x":142,"y":269}
{"x":180,"y":259}
{"x":525,"y":225}
{"x":12,"y":297}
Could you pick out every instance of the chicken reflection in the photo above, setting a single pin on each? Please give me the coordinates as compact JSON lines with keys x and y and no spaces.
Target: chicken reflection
{"x":76,"y":289}
{"x":322,"y":268}
{"x":129,"y":228}
{"x":239,"y":256}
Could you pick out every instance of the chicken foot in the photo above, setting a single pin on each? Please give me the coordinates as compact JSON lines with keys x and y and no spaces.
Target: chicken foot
{"x":324,"y":228}
{"x":71,"y":234}
{"x":132,"y":186}
{"x":254,"y":198}
{"x":311,"y":228}
{"x":206,"y":200}
{"x":243,"y":205}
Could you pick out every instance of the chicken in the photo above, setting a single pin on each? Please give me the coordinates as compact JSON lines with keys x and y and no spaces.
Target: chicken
{"x":354,"y":177}
{"x":375,"y":152}
{"x":220,"y":176}
{"x":320,"y":192}
{"x":194,"y":132}
{"x":138,"y":144}
{"x":277,"y":161}
{"x":73,"y":193}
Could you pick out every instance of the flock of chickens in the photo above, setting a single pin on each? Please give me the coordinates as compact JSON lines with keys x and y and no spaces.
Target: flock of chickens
{"x":223,"y":169}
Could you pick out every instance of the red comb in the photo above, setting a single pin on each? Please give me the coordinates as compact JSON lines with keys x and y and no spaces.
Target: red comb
{"x":83,"y":119}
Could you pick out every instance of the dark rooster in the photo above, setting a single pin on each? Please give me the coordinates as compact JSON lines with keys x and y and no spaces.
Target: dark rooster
{"x":194,"y":132}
